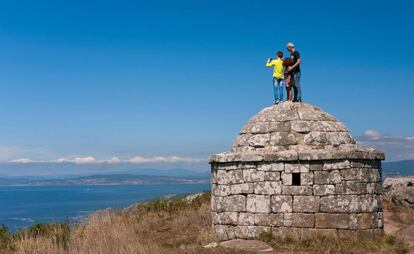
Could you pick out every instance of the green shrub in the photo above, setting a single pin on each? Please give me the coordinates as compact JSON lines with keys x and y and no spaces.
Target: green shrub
{"x":5,"y":237}
{"x":58,"y":232}
{"x":173,"y":204}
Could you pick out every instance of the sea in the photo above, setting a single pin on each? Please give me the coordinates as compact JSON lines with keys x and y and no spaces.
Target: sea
{"x":21,"y":206}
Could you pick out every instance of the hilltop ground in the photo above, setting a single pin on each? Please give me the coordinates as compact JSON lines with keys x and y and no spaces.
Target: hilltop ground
{"x":178,"y":226}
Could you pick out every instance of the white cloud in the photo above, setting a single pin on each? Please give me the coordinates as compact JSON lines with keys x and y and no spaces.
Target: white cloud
{"x":113,"y":160}
{"x":78,"y":160}
{"x":372,"y":134}
{"x":169,"y":159}
{"x":394,"y":147}
{"x":22,"y":160}
{"x":88,"y":160}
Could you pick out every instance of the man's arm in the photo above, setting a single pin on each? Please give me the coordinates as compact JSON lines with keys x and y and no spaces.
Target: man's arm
{"x":295,"y":65}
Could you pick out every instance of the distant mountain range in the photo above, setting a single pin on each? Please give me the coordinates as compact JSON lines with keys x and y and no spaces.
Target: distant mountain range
{"x":49,"y":170}
{"x":128,"y":175}
{"x":116,"y":179}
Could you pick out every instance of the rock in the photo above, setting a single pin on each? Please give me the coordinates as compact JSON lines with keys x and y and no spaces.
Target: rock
{"x":350,"y":203}
{"x":337,"y":165}
{"x":224,"y":232}
{"x":246,"y":219}
{"x":297,"y":190}
{"x":303,"y":220}
{"x":253,"y":246}
{"x":259,"y":140}
{"x":242,"y":188}
{"x":363,"y":220}
{"x":191,"y":197}
{"x":268,"y":219}
{"x":307,"y":204}
{"x":253,"y":175}
{"x":331,"y":220}
{"x":234,"y":203}
{"x":286,"y":178}
{"x":400,"y":190}
{"x":220,"y":190}
{"x":351,"y":187}
{"x":225,"y":218}
{"x":281,"y":204}
{"x":326,"y":177}
{"x":249,"y":232}
{"x":282,"y":139}
{"x":271,"y":167}
{"x":229,"y":177}
{"x":339,"y":203}
{"x":322,"y":190}
{"x":289,"y":124}
{"x":268,"y":188}
{"x":272,"y":176}
{"x":211,"y":245}
{"x":316,"y":138}
{"x":258,"y":204}
{"x":295,"y":168}
{"x":306,"y":178}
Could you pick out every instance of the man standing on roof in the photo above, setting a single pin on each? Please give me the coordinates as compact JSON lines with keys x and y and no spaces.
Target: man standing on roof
{"x":295,"y":68}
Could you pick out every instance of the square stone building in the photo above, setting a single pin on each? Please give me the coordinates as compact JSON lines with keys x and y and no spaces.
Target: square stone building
{"x":296,"y":170}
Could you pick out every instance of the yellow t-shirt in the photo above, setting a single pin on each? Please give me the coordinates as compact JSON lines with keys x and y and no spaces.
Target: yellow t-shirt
{"x":278,"y":68}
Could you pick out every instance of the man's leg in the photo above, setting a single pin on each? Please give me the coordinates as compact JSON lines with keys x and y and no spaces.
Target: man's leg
{"x":295,"y":92}
{"x":298,"y":87}
{"x":275,"y":89}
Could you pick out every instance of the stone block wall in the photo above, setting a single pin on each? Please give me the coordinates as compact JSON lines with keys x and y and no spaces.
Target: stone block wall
{"x":335,"y":197}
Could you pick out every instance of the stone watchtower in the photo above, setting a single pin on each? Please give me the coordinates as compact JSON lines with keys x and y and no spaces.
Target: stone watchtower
{"x":294,"y":169}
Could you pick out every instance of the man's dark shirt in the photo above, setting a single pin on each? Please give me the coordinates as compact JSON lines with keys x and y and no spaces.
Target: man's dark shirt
{"x":295,"y":56}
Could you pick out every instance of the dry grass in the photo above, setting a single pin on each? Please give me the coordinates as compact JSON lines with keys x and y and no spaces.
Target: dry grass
{"x":385,"y":244}
{"x":156,"y":227}
{"x":399,"y":213}
{"x":164,"y":226}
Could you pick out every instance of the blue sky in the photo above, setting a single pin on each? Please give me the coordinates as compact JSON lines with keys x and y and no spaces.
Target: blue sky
{"x":103,"y":79}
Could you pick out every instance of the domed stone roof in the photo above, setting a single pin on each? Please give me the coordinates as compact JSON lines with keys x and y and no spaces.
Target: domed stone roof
{"x":292,"y":126}
{"x":294,"y":131}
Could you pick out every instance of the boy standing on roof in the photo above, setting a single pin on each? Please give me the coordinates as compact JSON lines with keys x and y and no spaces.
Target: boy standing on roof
{"x":278,"y":77}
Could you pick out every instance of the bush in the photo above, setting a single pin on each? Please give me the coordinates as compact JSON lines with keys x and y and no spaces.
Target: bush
{"x":58,"y":232}
{"x":5,"y":237}
{"x":174,"y":204}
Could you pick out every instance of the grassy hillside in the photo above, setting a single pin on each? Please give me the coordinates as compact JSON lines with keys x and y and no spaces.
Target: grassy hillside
{"x":164,"y":226}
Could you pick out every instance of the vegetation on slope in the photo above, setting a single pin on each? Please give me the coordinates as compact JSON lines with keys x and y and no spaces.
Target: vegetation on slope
{"x":164,"y":226}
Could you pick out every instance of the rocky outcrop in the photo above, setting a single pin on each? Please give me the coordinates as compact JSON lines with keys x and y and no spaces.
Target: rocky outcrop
{"x":400,"y":190}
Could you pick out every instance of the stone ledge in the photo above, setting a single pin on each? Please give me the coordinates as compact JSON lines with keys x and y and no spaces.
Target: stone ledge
{"x":227,"y":232}
{"x":300,"y":155}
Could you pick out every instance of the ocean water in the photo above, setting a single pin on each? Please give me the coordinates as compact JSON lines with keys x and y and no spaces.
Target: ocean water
{"x":21,"y":206}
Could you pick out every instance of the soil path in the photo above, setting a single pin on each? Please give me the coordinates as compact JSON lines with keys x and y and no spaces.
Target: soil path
{"x":401,"y":231}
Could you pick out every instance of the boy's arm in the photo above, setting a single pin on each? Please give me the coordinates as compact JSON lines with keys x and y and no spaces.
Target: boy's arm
{"x":269,"y":62}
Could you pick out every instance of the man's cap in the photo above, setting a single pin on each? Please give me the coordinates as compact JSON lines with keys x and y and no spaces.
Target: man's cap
{"x":290,"y":44}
